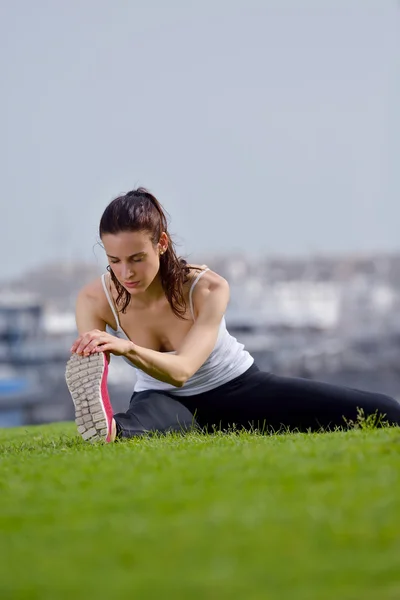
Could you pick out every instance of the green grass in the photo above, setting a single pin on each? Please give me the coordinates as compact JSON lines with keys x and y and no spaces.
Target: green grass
{"x":296,"y":517}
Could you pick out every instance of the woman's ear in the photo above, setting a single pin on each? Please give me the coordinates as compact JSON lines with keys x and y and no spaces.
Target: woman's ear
{"x":163,"y":243}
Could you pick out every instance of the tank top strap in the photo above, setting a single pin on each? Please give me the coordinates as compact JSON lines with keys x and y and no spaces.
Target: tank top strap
{"x":110,"y":300}
{"x":196,"y":279}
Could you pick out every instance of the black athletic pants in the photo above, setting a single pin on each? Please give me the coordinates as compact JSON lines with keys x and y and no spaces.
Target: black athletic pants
{"x":254,"y":400}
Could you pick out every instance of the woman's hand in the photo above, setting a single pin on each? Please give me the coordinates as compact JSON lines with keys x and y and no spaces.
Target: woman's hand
{"x":100,"y":341}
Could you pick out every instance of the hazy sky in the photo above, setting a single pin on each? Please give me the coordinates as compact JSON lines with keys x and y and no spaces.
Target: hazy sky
{"x":264,"y":125}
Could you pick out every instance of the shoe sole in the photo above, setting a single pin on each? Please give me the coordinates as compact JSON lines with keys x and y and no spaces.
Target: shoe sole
{"x":86,"y":378}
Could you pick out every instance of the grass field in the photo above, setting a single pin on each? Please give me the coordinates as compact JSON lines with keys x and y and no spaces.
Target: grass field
{"x":297,"y":517}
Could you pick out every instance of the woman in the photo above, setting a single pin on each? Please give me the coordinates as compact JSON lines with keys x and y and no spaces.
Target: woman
{"x":166,"y":318}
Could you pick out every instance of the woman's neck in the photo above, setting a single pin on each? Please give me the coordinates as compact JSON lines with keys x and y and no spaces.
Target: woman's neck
{"x":151,"y":296}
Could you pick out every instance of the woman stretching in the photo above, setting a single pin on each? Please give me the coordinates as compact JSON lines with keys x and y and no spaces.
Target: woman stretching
{"x":166,"y":318}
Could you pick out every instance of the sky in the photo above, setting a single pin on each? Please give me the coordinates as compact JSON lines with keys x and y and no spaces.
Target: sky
{"x":264,"y":127}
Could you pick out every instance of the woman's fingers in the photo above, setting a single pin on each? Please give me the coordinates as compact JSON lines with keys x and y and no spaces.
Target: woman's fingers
{"x":92,"y":342}
{"x":97,"y":341}
{"x":85,"y":343}
{"x":82,"y":345}
{"x":75,"y":344}
{"x":105,"y":348}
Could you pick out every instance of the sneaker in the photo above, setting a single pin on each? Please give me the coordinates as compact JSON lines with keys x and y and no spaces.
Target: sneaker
{"x":86,"y":378}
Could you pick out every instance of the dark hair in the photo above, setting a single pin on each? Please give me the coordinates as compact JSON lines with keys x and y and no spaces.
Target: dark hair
{"x":139,"y":210}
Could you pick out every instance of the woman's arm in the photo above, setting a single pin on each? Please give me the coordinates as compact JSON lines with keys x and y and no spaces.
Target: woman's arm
{"x":210,"y":297}
{"x":86,"y":313}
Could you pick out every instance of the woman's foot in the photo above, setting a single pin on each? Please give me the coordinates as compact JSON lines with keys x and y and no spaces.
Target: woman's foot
{"x":86,"y":378}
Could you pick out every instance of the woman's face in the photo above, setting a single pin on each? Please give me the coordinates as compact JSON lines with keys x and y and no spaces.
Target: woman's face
{"x":133,"y":258}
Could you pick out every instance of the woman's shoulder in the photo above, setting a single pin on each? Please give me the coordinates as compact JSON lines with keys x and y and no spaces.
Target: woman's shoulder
{"x":208,"y":278}
{"x":93,"y":294}
{"x":210,"y":284}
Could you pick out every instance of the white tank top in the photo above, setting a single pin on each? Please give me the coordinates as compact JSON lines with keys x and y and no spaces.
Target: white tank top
{"x":227,"y":360}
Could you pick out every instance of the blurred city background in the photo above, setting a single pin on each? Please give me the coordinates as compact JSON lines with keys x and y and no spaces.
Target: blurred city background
{"x":270,"y":132}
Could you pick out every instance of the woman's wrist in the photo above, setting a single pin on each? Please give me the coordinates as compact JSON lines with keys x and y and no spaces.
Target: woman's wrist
{"x":130,"y":350}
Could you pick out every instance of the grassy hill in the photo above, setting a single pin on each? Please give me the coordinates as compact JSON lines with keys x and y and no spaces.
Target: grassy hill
{"x":297,"y":517}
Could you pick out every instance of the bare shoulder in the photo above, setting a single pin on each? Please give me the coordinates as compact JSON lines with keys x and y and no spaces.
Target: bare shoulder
{"x":92,"y":294}
{"x":211,"y":290}
{"x":210,"y":280}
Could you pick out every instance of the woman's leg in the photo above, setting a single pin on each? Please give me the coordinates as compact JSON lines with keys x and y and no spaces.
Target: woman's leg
{"x":153,"y":411}
{"x":86,"y":378}
{"x":266,"y":401}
